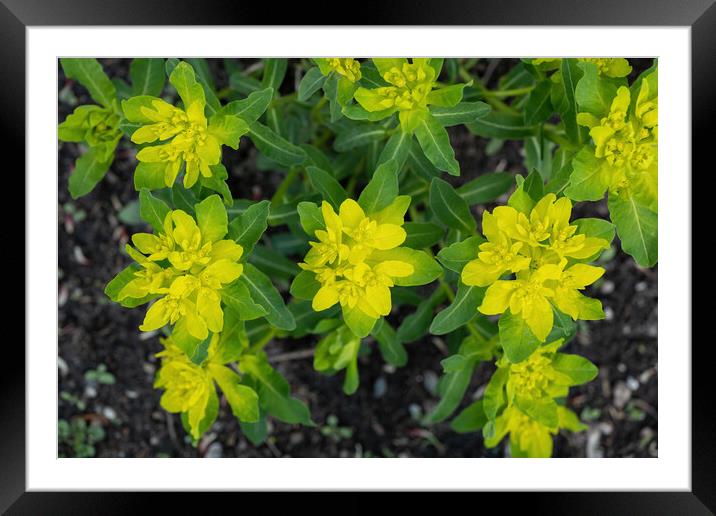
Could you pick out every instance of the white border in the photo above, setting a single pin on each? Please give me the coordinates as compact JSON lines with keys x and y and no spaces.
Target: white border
{"x":670,"y":471}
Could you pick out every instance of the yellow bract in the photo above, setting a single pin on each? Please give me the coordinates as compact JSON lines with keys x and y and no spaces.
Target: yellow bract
{"x":408,"y":90}
{"x":528,"y":436}
{"x":627,"y":142}
{"x":188,"y":386}
{"x":192,"y":142}
{"x":188,"y":270}
{"x":344,"y":262}
{"x":537,"y":248}
{"x":344,"y":66}
{"x":611,"y":67}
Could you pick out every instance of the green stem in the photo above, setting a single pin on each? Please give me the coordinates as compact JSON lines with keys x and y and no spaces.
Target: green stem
{"x":260,"y":344}
{"x":284,"y":186}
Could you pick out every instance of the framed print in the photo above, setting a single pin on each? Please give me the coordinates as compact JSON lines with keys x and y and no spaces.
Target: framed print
{"x":441,"y":252}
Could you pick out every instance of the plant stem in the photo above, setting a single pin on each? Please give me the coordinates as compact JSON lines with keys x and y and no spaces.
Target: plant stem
{"x":283,"y":187}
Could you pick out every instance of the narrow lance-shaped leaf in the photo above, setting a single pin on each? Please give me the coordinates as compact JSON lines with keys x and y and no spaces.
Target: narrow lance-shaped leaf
{"x":450,"y":208}
{"x":265,"y":294}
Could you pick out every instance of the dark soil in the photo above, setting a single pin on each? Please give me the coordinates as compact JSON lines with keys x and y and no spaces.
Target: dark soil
{"x":382,"y":417}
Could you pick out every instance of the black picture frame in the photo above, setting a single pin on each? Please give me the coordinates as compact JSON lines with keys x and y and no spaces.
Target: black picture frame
{"x":700,"y":15}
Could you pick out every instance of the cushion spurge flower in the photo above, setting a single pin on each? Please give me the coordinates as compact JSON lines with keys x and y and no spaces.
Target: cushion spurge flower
{"x":540,"y":247}
{"x":186,"y":137}
{"x":356,"y":253}
{"x":186,"y":266}
{"x":341,"y":260}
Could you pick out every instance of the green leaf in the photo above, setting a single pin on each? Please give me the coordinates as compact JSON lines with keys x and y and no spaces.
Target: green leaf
{"x":579,"y":369}
{"x":247,"y":228}
{"x":448,"y":96}
{"x":516,"y":338}
{"x":311,"y":217}
{"x":456,"y":256}
{"x":149,"y":176}
{"x":243,"y":83}
{"x":541,"y":410}
{"x":450,"y":208}
{"x":435,"y":142}
{"x":420,"y":164}
{"x":310,"y":83}
{"x":147,"y":76}
{"x":595,"y":228}
{"x":257,"y":432}
{"x":358,"y":136}
{"x":237,"y":296}
{"x":486,"y":187}
{"x":265,"y":294}
{"x":274,"y":73}
{"x":494,"y":396}
{"x":533,"y":185}
{"x":589,"y":179}
{"x":250,"y":108}
{"x":381,"y":190}
{"x":539,"y":106}
{"x":506,"y":126}
{"x":425,"y":268}
{"x":594,"y":93}
{"x":90,"y":74}
{"x":391,"y":348}
{"x":89,"y":170}
{"x":462,"y":113}
{"x":358,"y":322}
{"x":397,"y":149}
{"x":115,"y":286}
{"x":460,"y":311}
{"x":153,"y":210}
{"x":273,"y":263}
{"x":422,"y":234}
{"x":564,"y":327}
{"x":275,"y":147}
{"x":275,"y":392}
{"x":184,"y":80}
{"x":471,"y":419}
{"x":305,"y":285}
{"x":212,"y":219}
{"x":416,"y":325}
{"x":637,"y":227}
{"x":326,"y":184}
{"x":455,"y":385}
{"x":233,"y":339}
{"x":243,"y":400}
{"x":571,"y":74}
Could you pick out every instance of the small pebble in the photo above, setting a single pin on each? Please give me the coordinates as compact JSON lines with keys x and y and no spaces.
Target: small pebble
{"x":608,"y":313}
{"x":148,"y":368}
{"x":640,"y":287}
{"x":607,"y":287}
{"x":380,"y":387}
{"x":415,"y":411}
{"x":389,"y":368}
{"x":62,"y":366}
{"x":622,"y":394}
{"x":594,"y":450}
{"x":90,"y":391}
{"x":109,"y":413}
{"x":626,"y":329}
{"x":632,"y":383}
{"x":132,"y":395}
{"x":214,"y":451}
{"x":430,"y":381}
{"x":621,"y":367}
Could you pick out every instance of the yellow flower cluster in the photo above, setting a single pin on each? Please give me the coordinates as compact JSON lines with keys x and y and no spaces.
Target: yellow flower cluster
{"x":409,"y":88}
{"x":192,"y":142}
{"x":627,"y":140}
{"x":536,"y":247}
{"x":187,"y":268}
{"x":344,"y":66}
{"x":351,"y":259}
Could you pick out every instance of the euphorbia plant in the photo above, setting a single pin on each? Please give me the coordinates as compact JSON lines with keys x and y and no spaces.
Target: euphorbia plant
{"x":363,"y":228}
